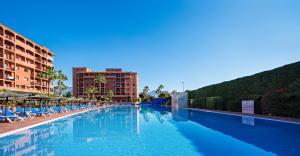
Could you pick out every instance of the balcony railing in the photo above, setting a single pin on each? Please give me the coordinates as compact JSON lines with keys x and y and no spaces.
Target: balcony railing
{"x":9,"y":47}
{"x":9,"y":68}
{"x":20,"y":43}
{"x":8,"y":77}
{"x":10,"y":37}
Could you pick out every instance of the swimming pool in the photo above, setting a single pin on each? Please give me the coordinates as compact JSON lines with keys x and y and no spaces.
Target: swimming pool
{"x":149,"y":131}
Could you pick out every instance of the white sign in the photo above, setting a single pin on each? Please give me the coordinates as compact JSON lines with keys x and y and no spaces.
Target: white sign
{"x":174,"y":102}
{"x":248,"y":106}
{"x":179,"y":100}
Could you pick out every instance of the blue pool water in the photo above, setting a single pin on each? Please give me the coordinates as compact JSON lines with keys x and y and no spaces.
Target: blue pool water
{"x":155,"y":131}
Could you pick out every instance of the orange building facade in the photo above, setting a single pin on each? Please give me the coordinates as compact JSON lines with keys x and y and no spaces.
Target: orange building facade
{"x":21,"y":60}
{"x":123,"y":84}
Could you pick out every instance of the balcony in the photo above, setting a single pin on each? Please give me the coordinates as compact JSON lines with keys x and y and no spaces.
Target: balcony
{"x":44,"y":68}
{"x":20,"y":41}
{"x":9,"y":57}
{"x":44,"y":85}
{"x":38,"y":60}
{"x":44,"y":62}
{"x":20,"y":52}
{"x":9,"y":35}
{"x":38,"y":50}
{"x":9,"y":46}
{"x":1,"y":42}
{"x":50,"y":57}
{"x":19,"y":61}
{"x":8,"y":84}
{"x":1,"y":31}
{"x":29,"y":55}
{"x":9,"y":77}
{"x":38,"y":68}
{"x":12,"y":69}
{"x":24,"y":63}
{"x":49,"y":64}
{"x":1,"y":53}
{"x":29,"y":46}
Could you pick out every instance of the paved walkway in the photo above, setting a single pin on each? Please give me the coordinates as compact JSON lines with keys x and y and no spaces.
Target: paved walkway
{"x":7,"y":127}
{"x":254,"y":115}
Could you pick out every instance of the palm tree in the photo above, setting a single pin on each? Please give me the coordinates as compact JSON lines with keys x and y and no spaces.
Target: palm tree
{"x":49,"y":74}
{"x":100,"y":78}
{"x":91,"y":91}
{"x":159,"y":89}
{"x":145,"y":92}
{"x":62,"y":87}
{"x":110,"y":95}
{"x":61,"y":77}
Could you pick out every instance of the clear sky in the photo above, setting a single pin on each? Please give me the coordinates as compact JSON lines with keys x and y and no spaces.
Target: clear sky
{"x":166,"y":41}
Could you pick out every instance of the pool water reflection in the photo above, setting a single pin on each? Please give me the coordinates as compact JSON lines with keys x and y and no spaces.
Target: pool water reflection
{"x":155,"y":131}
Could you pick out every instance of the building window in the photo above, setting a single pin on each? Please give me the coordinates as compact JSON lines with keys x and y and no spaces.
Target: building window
{"x":17,"y":77}
{"x":26,"y":79}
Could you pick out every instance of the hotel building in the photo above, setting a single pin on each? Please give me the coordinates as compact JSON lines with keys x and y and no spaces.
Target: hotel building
{"x":123,"y":84}
{"x":21,"y":60}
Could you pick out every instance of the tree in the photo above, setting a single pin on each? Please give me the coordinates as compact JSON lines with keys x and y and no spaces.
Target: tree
{"x":69,"y":94}
{"x":159,"y":89}
{"x":91,"y":91}
{"x":49,"y":74}
{"x":164,"y":94}
{"x":145,"y":93}
{"x":61,"y":77}
{"x":110,"y":95}
{"x":100,"y":78}
{"x":61,"y":87}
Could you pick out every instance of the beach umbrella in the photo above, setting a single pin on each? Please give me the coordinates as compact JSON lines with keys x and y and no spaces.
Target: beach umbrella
{"x":40,"y":98}
{"x":8,"y":94}
{"x":71,"y":99}
{"x":59,"y":99}
{"x":22,"y":99}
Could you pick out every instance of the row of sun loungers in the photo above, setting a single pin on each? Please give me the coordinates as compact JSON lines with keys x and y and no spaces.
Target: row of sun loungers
{"x":29,"y":113}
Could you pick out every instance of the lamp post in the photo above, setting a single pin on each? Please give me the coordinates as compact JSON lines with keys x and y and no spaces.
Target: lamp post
{"x":182,"y":86}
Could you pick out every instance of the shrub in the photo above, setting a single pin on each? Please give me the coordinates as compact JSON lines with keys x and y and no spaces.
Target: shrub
{"x":233,"y":105}
{"x":215,"y":103}
{"x":255,"y":87}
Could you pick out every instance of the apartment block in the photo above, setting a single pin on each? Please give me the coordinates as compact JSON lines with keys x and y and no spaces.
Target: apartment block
{"x":21,"y":60}
{"x":123,"y":84}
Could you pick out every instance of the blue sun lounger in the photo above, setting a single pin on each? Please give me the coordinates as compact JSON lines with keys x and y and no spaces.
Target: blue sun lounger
{"x":9,"y":116}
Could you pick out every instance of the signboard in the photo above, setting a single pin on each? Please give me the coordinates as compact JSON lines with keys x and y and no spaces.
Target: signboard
{"x":179,"y":100}
{"x":174,"y":102}
{"x":248,"y":106}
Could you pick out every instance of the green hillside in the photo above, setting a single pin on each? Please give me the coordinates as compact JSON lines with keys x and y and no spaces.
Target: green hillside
{"x":276,"y":92}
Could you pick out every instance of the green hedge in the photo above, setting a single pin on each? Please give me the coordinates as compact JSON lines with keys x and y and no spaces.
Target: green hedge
{"x":228,"y":95}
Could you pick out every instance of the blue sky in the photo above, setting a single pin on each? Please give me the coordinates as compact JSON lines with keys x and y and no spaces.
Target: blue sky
{"x":166,"y":41}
